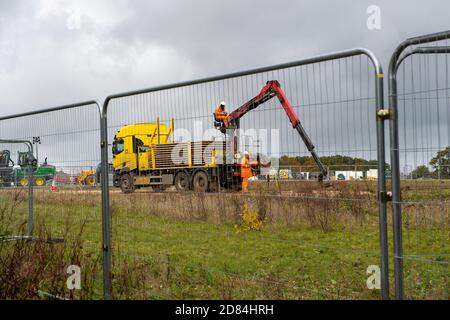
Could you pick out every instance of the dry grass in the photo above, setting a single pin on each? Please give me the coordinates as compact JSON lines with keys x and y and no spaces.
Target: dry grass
{"x":300,"y":206}
{"x":169,"y":245}
{"x":285,"y":203}
{"x":29,"y":266}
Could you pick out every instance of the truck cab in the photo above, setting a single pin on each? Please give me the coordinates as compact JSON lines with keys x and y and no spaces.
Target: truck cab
{"x":132,"y":146}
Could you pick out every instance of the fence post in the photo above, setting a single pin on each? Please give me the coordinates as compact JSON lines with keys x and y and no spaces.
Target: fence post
{"x":30,"y":198}
{"x":106,"y":218}
{"x":382,"y":199}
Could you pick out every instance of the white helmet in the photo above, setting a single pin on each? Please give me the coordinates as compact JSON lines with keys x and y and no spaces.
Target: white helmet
{"x":246,"y":153}
{"x":223,"y":103}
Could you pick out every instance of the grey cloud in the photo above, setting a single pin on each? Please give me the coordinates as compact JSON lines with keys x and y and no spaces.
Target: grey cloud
{"x":125,"y":45}
{"x":206,"y":37}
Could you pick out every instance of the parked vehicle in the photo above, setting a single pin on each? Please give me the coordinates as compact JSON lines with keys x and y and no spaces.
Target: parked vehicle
{"x":12,"y":174}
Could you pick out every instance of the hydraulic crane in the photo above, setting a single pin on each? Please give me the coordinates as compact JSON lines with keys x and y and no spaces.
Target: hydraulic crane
{"x":272,"y":89}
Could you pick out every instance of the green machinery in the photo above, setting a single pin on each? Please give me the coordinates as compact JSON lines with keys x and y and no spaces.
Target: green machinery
{"x":18,"y":174}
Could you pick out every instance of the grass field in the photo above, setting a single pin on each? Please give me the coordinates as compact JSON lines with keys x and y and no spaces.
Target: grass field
{"x":315,"y":243}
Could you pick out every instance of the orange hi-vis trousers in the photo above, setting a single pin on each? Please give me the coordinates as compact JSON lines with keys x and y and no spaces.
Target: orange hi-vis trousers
{"x":244,"y":185}
{"x":246,"y":172}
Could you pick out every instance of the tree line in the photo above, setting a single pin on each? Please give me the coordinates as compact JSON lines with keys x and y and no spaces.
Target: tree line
{"x":336,"y":162}
{"x":440,"y":167}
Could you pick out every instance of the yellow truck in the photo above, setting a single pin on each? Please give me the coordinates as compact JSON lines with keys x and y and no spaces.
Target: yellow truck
{"x":145,"y":155}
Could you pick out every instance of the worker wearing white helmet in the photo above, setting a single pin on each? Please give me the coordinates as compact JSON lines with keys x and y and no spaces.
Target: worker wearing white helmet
{"x":220,"y":114}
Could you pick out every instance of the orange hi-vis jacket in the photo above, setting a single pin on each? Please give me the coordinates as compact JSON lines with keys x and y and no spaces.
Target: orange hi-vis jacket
{"x":246,"y":169}
{"x":221,"y":114}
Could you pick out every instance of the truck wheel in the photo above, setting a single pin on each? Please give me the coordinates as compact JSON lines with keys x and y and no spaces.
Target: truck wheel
{"x":39,"y":182}
{"x":127,"y":183}
{"x":201,"y":183}
{"x":23,"y":182}
{"x":182,"y":181}
{"x":90,"y":180}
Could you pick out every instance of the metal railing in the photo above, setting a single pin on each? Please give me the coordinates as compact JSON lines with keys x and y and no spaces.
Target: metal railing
{"x":27,"y":172}
{"x":332,"y":89}
{"x":315,"y":86}
{"x":418,"y":92}
{"x":142,"y":105}
{"x":70,"y":142}
{"x":323,"y":87}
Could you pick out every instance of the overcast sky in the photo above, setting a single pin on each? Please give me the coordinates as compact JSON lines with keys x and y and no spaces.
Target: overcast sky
{"x":56,"y":52}
{"x":59,"y":52}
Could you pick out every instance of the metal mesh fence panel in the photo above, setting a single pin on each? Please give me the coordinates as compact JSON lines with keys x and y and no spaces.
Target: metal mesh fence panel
{"x":21,"y":224}
{"x":66,"y":211}
{"x":424,"y":155}
{"x":283,"y":240}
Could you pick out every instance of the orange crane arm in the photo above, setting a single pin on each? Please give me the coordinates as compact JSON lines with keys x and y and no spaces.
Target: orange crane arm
{"x":273,"y":89}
